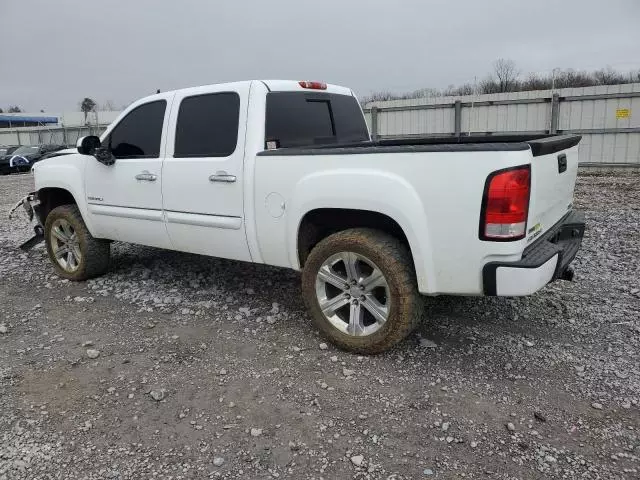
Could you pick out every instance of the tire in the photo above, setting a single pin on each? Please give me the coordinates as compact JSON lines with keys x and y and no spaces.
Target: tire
{"x":81,"y":258}
{"x":396,"y":297}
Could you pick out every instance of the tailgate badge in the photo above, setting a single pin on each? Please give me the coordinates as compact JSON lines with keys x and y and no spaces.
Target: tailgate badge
{"x":534,"y":232}
{"x":562,"y":163}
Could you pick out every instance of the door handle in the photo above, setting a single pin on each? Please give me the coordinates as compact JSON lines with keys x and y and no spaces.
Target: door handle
{"x":223,"y":177}
{"x":146,"y":176}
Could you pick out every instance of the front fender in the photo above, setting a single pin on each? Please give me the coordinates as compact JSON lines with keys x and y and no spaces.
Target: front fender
{"x":366,"y":189}
{"x":67,"y":173}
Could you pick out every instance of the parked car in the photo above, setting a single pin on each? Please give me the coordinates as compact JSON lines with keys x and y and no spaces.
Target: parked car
{"x":23,"y":158}
{"x":284,"y":173}
{"x":7,"y":149}
{"x":59,"y":153}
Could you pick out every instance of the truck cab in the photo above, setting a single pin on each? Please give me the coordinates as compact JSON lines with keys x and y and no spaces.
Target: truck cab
{"x":202,"y":141}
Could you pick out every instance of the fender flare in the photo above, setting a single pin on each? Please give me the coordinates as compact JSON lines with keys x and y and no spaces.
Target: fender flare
{"x":65,"y":176}
{"x":359,"y":189}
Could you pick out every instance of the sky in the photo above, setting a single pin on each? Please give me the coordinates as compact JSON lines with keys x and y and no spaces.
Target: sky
{"x":54,"y":53}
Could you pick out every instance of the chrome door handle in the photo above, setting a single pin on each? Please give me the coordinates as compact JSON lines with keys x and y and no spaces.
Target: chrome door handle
{"x":222,"y":176}
{"x":146,"y":176}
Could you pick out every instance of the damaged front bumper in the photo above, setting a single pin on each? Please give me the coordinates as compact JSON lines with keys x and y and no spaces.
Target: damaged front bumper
{"x":31,"y":206}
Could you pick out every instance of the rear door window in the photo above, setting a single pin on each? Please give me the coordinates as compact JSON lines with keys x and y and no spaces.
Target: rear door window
{"x":298,"y":119}
{"x":207,"y":125}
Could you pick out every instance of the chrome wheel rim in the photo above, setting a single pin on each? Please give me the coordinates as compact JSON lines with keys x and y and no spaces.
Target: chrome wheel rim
{"x":353,"y":294}
{"x":65,"y":245}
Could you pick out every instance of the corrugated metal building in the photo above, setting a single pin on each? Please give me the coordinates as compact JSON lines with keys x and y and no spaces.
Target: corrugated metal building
{"x":607,"y":117}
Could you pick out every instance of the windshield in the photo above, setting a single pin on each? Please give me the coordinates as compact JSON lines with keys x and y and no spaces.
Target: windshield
{"x":26,"y":150}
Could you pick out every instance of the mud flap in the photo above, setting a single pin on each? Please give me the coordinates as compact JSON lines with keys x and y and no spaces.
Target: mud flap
{"x":33,"y":241}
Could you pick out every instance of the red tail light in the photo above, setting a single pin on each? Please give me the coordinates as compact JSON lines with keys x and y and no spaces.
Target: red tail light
{"x":505,"y":205}
{"x":313,"y":85}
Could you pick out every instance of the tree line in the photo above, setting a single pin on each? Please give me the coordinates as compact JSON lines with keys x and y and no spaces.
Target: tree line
{"x":12,"y":109}
{"x":86,"y":105}
{"x":506,"y":77}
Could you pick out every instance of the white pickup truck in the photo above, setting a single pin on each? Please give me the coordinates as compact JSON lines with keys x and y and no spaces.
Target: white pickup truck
{"x":285,"y":173}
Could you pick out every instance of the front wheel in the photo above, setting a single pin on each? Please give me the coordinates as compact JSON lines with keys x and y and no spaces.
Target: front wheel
{"x":361,"y":290}
{"x":75,"y":254}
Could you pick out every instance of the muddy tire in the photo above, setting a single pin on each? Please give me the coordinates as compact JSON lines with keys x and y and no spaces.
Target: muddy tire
{"x":75,"y":254}
{"x":360,"y":288}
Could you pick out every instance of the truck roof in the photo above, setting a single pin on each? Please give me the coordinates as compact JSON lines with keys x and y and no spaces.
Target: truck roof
{"x":272,"y":85}
{"x":294,"y":85}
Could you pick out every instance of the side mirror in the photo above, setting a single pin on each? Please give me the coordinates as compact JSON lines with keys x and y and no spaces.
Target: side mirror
{"x":87,"y":145}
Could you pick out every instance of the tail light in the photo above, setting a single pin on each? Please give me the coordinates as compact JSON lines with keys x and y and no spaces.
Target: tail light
{"x":505,"y":204}
{"x":313,"y":85}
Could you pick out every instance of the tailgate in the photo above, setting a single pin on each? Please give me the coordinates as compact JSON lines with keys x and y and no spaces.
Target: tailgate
{"x":554,"y":169}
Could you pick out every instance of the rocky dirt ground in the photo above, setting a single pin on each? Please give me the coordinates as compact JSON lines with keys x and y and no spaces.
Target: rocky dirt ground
{"x":180,"y":367}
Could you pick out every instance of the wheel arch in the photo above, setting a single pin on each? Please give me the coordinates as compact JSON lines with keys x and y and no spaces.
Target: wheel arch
{"x":318,"y":223}
{"x":379,"y":193}
{"x":51,"y":197}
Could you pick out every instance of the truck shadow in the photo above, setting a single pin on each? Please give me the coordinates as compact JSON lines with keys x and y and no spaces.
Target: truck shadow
{"x":451,"y":322}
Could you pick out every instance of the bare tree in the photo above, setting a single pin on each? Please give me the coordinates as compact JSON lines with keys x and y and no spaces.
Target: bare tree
{"x":426,"y":93}
{"x":608,"y":76}
{"x":506,"y":74}
{"x":465,"y":89}
{"x":109,"y":106}
{"x":14,"y":109}
{"x":536,"y":82}
{"x":489,"y":85}
{"x":379,"y":97}
{"x":574,"y":79}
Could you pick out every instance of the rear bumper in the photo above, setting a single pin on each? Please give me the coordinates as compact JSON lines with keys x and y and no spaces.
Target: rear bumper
{"x":542,"y":262}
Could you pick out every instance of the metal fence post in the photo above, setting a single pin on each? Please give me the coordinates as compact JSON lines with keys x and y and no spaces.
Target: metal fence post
{"x":555,"y":111}
{"x":18,"y":136}
{"x":374,"y":123}
{"x":458,"y":118}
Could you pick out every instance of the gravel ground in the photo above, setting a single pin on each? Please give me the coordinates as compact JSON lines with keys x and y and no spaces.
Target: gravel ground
{"x":178,"y":366}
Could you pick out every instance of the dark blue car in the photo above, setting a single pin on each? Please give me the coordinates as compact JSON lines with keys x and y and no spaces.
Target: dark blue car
{"x":22,"y":158}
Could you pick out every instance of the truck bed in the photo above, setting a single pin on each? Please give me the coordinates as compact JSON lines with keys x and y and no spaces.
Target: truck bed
{"x":539,"y":145}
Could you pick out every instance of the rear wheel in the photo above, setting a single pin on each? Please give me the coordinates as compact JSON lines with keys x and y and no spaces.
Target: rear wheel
{"x":75,"y":254}
{"x":360,"y":288}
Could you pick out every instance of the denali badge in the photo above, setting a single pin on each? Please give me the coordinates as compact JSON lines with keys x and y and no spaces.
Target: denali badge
{"x":534,"y":231}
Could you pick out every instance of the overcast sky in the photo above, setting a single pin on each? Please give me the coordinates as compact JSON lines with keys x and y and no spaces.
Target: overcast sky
{"x":54,"y":53}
